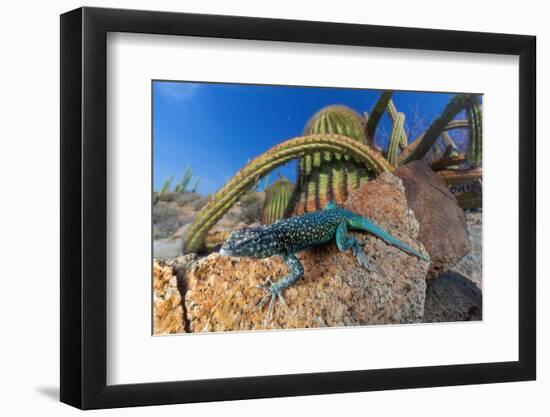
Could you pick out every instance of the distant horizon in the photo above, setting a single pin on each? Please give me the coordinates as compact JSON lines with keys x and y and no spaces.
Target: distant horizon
{"x":216,"y":128}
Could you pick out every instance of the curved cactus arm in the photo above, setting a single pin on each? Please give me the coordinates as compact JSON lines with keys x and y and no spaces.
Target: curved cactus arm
{"x":268,"y":161}
{"x":457,"y":124}
{"x":395,"y":138}
{"x":422,"y":145}
{"x":475,"y":143}
{"x":391,"y":110}
{"x":376,"y":115}
{"x":453,"y":124}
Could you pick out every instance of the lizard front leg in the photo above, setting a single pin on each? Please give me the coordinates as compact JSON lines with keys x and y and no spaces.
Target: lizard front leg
{"x":345,"y":242}
{"x":275,"y":289}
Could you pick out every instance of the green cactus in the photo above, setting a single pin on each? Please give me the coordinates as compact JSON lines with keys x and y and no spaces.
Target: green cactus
{"x":267,"y":162}
{"x":181,"y":187}
{"x":166,"y":186}
{"x":375,"y":116}
{"x":392,"y":112}
{"x":324,"y":176}
{"x":475,"y":130}
{"x":276,"y":200}
{"x":396,"y":138}
{"x":422,"y":145}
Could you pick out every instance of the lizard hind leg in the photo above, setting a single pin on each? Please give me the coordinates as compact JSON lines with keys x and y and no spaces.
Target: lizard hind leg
{"x":275,"y":289}
{"x":345,"y":242}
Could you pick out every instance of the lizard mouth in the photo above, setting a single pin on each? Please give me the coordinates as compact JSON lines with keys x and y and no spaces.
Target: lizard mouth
{"x":225,"y":251}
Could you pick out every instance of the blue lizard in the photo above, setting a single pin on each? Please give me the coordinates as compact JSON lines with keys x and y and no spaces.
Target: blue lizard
{"x":286,"y":237}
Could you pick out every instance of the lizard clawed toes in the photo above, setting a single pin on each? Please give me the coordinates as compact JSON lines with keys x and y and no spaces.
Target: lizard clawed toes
{"x":273,"y":292}
{"x":363,"y":260}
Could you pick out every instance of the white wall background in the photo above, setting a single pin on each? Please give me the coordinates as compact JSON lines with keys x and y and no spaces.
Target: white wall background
{"x":29,"y":219}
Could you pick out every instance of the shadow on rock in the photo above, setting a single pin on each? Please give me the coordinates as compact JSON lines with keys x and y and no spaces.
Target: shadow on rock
{"x":452,"y":297}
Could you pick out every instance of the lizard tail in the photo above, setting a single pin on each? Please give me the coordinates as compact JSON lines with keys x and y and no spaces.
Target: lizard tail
{"x":363,"y":223}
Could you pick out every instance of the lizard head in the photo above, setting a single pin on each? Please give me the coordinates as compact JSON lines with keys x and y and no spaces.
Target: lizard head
{"x":254,"y":242}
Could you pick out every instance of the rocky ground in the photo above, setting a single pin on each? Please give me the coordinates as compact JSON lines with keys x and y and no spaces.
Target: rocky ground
{"x":216,"y":293}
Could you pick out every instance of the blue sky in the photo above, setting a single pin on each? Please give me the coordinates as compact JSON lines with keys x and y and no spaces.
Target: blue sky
{"x":217,"y":128}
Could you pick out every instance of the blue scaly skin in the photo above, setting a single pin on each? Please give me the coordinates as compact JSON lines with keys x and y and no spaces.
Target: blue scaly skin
{"x":289,"y":236}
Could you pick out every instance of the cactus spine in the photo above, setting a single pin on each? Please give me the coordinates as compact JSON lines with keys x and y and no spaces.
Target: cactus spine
{"x":276,"y":200}
{"x":268,"y":161}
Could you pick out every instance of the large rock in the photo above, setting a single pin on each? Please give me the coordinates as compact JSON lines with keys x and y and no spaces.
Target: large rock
{"x":452,"y":297}
{"x":442,"y":222}
{"x":335,"y":290}
{"x":471,"y":265}
{"x":456,"y":294}
{"x":168,"y":314}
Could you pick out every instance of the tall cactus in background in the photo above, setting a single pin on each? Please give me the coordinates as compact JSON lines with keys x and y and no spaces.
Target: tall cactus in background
{"x":392,"y":112}
{"x":164,"y":189}
{"x":420,"y":147}
{"x":181,"y":187}
{"x":276,"y":200}
{"x":324,"y":176}
{"x":375,"y":116}
{"x":166,"y":185}
{"x":476,"y":137}
{"x":396,"y":138}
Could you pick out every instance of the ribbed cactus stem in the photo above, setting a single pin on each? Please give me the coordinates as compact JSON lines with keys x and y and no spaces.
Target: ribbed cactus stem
{"x":393,"y":114}
{"x":267,"y":162}
{"x":423,"y":144}
{"x":392,"y":110}
{"x":476,"y":137}
{"x":323,"y":176}
{"x":376,"y":114}
{"x":395,"y":138}
{"x":276,"y":200}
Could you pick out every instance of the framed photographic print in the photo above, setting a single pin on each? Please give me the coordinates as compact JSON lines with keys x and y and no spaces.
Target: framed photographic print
{"x":258,"y":207}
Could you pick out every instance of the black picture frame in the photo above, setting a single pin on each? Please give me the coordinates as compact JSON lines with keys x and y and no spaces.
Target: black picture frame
{"x":84,"y":207}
